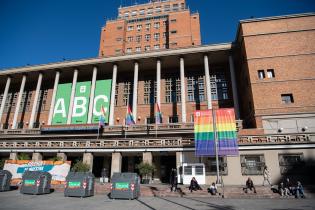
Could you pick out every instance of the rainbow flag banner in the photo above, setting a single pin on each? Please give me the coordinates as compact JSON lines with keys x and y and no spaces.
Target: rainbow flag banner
{"x":225,"y":128}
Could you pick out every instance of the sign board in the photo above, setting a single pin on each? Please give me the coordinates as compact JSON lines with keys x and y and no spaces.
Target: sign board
{"x":101,"y":98}
{"x":81,"y":103}
{"x":62,"y":102}
{"x":58,"y":169}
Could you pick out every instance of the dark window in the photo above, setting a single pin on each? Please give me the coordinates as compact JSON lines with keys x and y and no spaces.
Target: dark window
{"x":119,"y":27}
{"x":291,"y":163}
{"x":211,"y":166}
{"x":173,"y":119}
{"x":173,"y":21}
{"x":252,"y":164}
{"x":270,"y":73}
{"x":287,"y":98}
{"x":261,"y":74}
{"x":173,"y":32}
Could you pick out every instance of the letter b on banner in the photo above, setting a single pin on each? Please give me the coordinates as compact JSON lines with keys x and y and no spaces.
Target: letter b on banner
{"x":81,"y":103}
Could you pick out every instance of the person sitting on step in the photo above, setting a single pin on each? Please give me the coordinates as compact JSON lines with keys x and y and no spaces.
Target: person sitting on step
{"x":213,"y":190}
{"x":299,"y":191}
{"x":194,"y":185}
{"x":249,"y":185}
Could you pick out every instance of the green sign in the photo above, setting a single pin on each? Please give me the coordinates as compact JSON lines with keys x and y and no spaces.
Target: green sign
{"x":81,"y":103}
{"x":62,"y":104}
{"x":29,"y":182}
{"x":101,"y":98}
{"x":122,"y":185}
{"x":74,"y":184}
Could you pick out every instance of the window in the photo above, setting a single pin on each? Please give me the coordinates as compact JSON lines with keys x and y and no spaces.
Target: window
{"x":138,"y":38}
{"x":138,"y":49}
{"x":187,"y":170}
{"x":129,"y":50}
{"x":119,"y":27}
{"x":291,"y":163}
{"x":164,"y":34}
{"x":150,"y":11}
{"x":147,"y":37}
{"x":164,"y":46}
{"x":165,"y":23}
{"x":211,"y":166}
{"x":174,"y":44}
{"x":158,"y":9}
{"x":252,"y":164}
{"x":156,"y":36}
{"x":157,"y":25}
{"x":134,"y":13}
{"x":129,"y":28}
{"x":149,"y":92}
{"x":287,"y":98}
{"x":190,"y":88}
{"x":130,"y":38}
{"x":148,"y":26}
{"x":141,"y":12}
{"x":150,"y":120}
{"x":270,"y":73}
{"x":199,"y":170}
{"x":172,"y":90}
{"x":139,"y":27}
{"x":167,"y":8}
{"x":195,"y":89}
{"x":118,"y":51}
{"x":126,"y":14}
{"x":127,"y":92}
{"x":116,"y":94}
{"x":173,"y":119}
{"x":42,"y":101}
{"x":173,"y":32}
{"x":173,"y":21}
{"x":118,"y":39}
{"x":26,"y":101}
{"x":147,"y":48}
{"x":157,"y":46}
{"x":261,"y":74}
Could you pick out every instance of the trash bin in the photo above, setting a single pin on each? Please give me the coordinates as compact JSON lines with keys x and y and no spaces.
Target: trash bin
{"x":35,"y":182}
{"x":79,"y":184}
{"x":5,"y":179}
{"x":125,"y":186}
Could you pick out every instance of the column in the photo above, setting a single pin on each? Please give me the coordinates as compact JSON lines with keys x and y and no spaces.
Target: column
{"x":34,"y":109}
{"x":92,"y":95}
{"x":147,"y":157}
{"x":18,"y":103}
{"x":158,"y":83}
{"x":37,"y":157}
{"x":207,"y":74}
{"x":135,"y":91}
{"x":74,"y":83}
{"x":88,"y":159}
{"x":13,"y":156}
{"x":179,"y":162}
{"x":62,"y":155}
{"x":234,"y":87}
{"x":5,"y":95}
{"x":112,"y":96}
{"x":116,"y":163}
{"x":182,"y":89}
{"x":52,"y":103}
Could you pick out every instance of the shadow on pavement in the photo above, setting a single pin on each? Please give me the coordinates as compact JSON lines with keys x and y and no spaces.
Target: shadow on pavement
{"x":143,"y":203}
{"x":218,"y":207}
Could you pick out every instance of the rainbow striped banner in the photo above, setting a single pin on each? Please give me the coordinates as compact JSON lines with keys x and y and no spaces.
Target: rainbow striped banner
{"x":225,"y":128}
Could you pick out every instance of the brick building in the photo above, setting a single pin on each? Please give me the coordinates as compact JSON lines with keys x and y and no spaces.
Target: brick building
{"x":153,"y":26}
{"x":265,"y":74}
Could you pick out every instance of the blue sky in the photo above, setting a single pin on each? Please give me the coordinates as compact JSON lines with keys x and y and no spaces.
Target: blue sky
{"x":43,"y":31}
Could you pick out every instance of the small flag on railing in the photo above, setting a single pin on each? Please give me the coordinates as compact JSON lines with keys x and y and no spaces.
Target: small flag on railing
{"x":158,"y":115}
{"x":129,"y":117}
{"x":102,"y":117}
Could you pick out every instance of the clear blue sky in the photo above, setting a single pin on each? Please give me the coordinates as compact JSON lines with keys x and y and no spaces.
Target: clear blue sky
{"x":42,"y":31}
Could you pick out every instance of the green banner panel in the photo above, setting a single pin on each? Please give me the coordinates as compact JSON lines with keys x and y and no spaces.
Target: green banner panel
{"x":62,"y":104}
{"x":81,"y":103}
{"x":101,"y":98}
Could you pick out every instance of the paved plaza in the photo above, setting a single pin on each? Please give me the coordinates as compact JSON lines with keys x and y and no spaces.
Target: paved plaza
{"x":14,"y":200}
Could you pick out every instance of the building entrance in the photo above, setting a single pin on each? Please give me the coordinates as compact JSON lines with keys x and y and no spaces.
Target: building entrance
{"x":167,"y":164}
{"x":129,"y":163}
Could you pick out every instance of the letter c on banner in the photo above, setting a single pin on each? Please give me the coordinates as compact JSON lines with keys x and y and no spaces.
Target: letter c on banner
{"x":99,"y":97}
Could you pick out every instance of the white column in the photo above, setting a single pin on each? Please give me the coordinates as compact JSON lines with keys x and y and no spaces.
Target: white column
{"x":207,"y":74}
{"x":112,"y":96}
{"x":92,"y":95}
{"x":52,"y":103}
{"x":234,"y":88}
{"x":18,"y":103}
{"x":74,"y":83}
{"x":158,"y":83}
{"x":182,"y":89}
{"x":5,"y":95}
{"x":135,"y":91}
{"x":39,"y":83}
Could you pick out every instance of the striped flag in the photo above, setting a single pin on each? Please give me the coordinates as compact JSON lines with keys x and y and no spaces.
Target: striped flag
{"x":129,"y":117}
{"x":158,"y":114}
{"x":205,"y":136}
{"x":102,"y":117}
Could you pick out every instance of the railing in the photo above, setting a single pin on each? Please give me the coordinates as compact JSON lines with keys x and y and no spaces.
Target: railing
{"x":277,"y":139}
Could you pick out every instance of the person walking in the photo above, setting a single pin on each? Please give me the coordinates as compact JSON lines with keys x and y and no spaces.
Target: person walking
{"x":266,"y":175}
{"x":173,"y":180}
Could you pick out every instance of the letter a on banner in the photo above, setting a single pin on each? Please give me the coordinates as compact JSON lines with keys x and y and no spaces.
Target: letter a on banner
{"x":62,"y":104}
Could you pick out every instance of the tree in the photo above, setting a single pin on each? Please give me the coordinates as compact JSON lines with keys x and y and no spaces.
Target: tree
{"x":56,"y":158}
{"x":79,"y":166}
{"x":146,"y":170}
{"x":23,"y":156}
{"x":2,"y":163}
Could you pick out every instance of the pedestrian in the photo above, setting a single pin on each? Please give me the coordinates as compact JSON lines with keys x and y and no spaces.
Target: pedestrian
{"x":266,"y":175}
{"x":104,"y":175}
{"x":282,"y":190}
{"x":249,"y":185}
{"x":299,"y":191}
{"x":173,"y":180}
{"x":289,"y":187}
{"x":194,"y":185}
{"x":213,"y":189}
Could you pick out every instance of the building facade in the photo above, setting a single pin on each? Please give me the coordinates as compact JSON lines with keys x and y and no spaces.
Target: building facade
{"x":153,"y":26}
{"x":265,"y":75}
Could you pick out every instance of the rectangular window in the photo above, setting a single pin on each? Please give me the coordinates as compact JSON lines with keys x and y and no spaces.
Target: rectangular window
{"x":157,"y":25}
{"x":26,"y":101}
{"x":287,"y":98}
{"x":134,"y":13}
{"x":119,"y":27}
{"x":116,"y":94}
{"x":157,"y":36}
{"x":147,"y":37}
{"x":164,"y":34}
{"x":148,"y":26}
{"x":150,"y":120}
{"x":129,"y":50}
{"x":174,"y":44}
{"x":157,"y":46}
{"x":211,"y":166}
{"x":261,"y":74}
{"x":129,"y":28}
{"x":138,"y":38}
{"x":190,"y":89}
{"x":252,"y":164}
{"x":187,"y":170}
{"x":147,"y":48}
{"x":42,"y":101}
{"x":130,"y":38}
{"x":172,"y":90}
{"x":138,"y":49}
{"x":173,"y":32}
{"x":139,"y":27}
{"x":270,"y":73}
{"x":127,"y":92}
{"x":141,"y":12}
{"x":118,"y":39}
{"x":291,"y":163}
{"x":126,"y":14}
{"x":173,"y":119}
{"x":173,"y":21}
{"x":150,"y":11}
